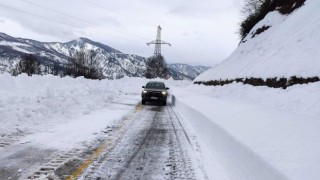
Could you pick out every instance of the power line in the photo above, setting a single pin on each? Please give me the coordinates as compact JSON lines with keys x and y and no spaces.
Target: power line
{"x":59,"y":22}
{"x":55,"y":11}
{"x":70,"y":16}
{"x":82,"y":20}
{"x":25,"y":12}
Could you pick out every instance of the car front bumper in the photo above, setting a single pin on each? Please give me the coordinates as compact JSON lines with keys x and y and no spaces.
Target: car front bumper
{"x":154,"y":96}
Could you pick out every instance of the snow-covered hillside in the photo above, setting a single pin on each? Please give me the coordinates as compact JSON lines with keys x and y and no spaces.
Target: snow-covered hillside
{"x":184,"y":71}
{"x":289,"y":47}
{"x":114,"y":63}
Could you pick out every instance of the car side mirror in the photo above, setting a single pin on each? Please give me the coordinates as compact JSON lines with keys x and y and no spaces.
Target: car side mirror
{"x":167,"y":88}
{"x":143,"y":87}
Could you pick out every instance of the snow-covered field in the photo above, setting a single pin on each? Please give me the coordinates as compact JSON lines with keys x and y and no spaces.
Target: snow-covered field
{"x":244,"y":132}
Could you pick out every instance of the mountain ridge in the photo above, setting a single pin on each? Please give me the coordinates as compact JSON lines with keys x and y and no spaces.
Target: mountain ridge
{"x":114,"y":63}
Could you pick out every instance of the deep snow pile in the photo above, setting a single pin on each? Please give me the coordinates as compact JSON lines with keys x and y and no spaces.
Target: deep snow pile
{"x":30,"y":104}
{"x":244,"y":132}
{"x":298,"y":99}
{"x":248,"y":132}
{"x":26,"y":102}
{"x":290,"y":47}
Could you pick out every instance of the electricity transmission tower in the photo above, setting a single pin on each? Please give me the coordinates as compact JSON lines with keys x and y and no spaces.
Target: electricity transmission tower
{"x":158,"y":42}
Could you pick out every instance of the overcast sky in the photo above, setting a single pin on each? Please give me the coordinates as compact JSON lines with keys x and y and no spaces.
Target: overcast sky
{"x":202,"y":32}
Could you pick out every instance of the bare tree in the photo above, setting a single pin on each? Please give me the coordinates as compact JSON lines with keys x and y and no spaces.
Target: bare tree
{"x":29,"y":64}
{"x":157,"y":67}
{"x":251,"y":7}
{"x":254,"y":11}
{"x":84,"y":63}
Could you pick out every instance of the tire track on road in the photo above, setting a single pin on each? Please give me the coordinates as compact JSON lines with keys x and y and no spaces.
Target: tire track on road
{"x":152,"y":150}
{"x":152,"y":146}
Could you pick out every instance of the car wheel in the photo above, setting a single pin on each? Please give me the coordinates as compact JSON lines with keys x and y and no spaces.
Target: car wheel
{"x":143,"y":102}
{"x":164,"y":103}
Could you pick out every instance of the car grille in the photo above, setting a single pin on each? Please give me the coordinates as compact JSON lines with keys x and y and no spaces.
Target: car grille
{"x":155,"y":94}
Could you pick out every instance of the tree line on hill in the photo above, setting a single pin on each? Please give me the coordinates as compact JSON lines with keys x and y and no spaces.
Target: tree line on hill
{"x":82,"y":63}
{"x":255,"y":10}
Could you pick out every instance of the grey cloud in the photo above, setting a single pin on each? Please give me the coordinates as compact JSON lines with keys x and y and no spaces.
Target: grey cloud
{"x":181,"y":10}
{"x":185,"y":34}
{"x":111,"y":21}
{"x":191,"y":26}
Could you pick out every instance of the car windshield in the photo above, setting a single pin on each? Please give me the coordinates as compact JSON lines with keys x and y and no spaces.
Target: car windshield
{"x":155,"y":85}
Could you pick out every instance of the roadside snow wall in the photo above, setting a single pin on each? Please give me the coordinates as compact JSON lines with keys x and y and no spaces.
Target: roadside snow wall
{"x":27,"y":102}
{"x":225,"y":157}
{"x":248,"y":132}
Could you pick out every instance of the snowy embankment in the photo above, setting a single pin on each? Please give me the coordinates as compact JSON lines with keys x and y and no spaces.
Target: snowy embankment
{"x":56,"y":112}
{"x":29,"y":102}
{"x":248,"y":132}
{"x":60,"y":113}
{"x":290,"y":47}
{"x":63,"y":112}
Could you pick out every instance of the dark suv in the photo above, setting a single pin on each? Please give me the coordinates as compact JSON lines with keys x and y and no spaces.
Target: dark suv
{"x":155,"y":91}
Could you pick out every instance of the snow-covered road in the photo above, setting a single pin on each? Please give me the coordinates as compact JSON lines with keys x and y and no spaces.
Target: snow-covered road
{"x":153,"y":145}
{"x":150,"y":142}
{"x":28,"y":154}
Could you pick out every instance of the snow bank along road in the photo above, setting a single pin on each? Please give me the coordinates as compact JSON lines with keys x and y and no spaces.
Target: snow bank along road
{"x":95,"y":130}
{"x":256,"y":133}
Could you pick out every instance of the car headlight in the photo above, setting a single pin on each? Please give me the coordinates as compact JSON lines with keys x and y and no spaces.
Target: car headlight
{"x":145,"y":92}
{"x":164,"y":93}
